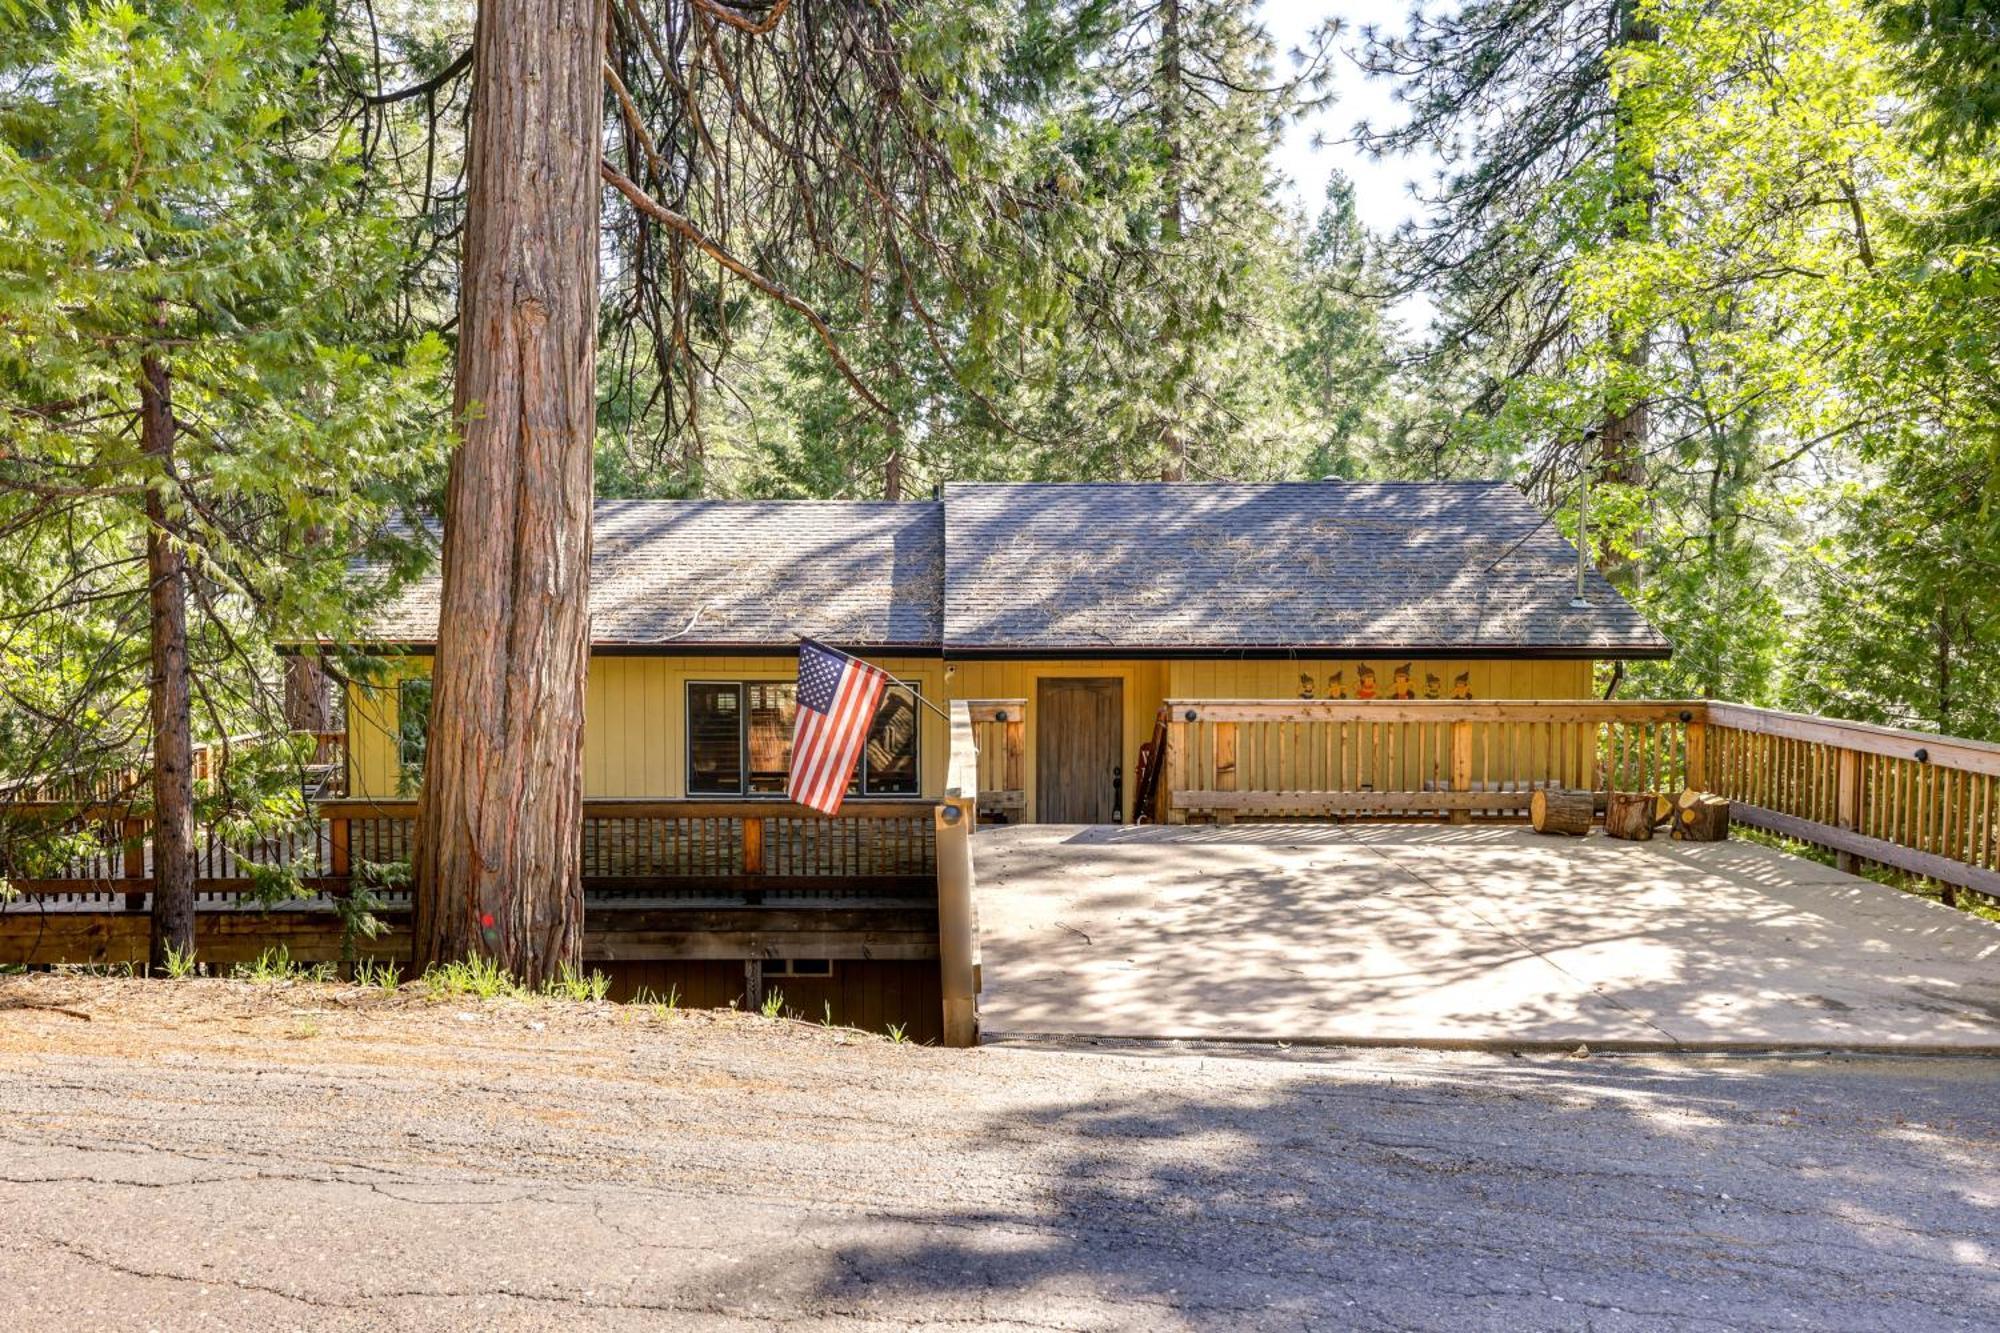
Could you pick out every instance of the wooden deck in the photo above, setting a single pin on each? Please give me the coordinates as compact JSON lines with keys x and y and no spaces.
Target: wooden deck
{"x":1490,"y":936}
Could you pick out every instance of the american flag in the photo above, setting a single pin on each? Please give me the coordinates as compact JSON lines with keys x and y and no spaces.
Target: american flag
{"x":837,"y":700}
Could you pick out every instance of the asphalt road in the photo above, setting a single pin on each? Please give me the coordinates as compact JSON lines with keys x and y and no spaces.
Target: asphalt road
{"x":204,"y":1155}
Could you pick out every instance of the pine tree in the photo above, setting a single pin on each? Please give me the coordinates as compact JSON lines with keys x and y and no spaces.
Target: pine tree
{"x":203,"y":419}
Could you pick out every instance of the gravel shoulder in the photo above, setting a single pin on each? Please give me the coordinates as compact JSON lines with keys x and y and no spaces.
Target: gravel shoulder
{"x":218,"y":1154}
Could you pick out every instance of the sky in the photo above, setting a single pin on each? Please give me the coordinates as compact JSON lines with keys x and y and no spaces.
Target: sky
{"x":1381,"y":187}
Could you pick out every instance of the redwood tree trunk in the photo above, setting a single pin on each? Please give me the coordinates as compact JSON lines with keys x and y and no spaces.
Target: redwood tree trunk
{"x":308,"y":695}
{"x":499,"y":821}
{"x":173,"y":726}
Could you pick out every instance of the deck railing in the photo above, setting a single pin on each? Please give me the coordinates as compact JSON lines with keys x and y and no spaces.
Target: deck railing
{"x":754,"y":851}
{"x":324,"y":773}
{"x":957,"y":816}
{"x":1301,"y":758}
{"x":1922,"y":804}
{"x":999,"y":733}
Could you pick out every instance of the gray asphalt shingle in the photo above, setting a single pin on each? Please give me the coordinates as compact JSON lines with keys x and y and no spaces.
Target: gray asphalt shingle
{"x":1339,"y":566}
{"x":749,"y":574}
{"x":1352,"y":566}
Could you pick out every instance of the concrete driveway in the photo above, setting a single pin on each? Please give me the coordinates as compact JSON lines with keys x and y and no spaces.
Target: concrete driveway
{"x":1481,"y":936}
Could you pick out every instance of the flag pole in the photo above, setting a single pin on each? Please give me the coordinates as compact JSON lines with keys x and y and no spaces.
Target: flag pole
{"x":915,"y":693}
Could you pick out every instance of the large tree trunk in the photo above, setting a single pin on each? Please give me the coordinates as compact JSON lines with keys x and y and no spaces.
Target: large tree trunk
{"x":308,"y":695}
{"x":1172,"y":89}
{"x":173,"y":725}
{"x":1622,"y":447}
{"x":499,"y":821}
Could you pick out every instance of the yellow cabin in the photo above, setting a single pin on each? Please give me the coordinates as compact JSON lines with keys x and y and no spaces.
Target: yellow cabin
{"x":1093,"y":603}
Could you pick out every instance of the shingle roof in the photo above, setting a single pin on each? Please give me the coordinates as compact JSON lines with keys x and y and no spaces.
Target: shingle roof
{"x":750,"y":574}
{"x":1141,"y":567}
{"x":1334,"y":565}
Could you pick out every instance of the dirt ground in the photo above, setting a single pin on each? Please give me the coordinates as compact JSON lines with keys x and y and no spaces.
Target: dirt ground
{"x":209,"y":1154}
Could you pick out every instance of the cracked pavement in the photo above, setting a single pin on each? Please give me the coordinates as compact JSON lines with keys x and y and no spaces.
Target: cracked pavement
{"x":212,"y":1154}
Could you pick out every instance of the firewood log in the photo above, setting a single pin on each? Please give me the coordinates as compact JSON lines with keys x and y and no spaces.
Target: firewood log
{"x":1629,"y":815}
{"x":1553,"y":810}
{"x":1699,"y":817}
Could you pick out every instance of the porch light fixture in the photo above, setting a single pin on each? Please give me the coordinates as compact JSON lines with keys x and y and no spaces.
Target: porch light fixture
{"x":1923,"y":756}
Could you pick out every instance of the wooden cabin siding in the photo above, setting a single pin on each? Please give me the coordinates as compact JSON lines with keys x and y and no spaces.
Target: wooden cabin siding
{"x":1501,"y":678}
{"x":1144,"y":682}
{"x":635,"y":720}
{"x":636,"y":707}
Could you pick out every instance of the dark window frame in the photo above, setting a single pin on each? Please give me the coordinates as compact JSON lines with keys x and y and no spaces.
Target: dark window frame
{"x":742,"y":792}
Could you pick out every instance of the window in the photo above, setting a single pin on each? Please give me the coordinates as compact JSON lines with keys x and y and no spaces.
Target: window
{"x":739,"y":740}
{"x":413,"y":726}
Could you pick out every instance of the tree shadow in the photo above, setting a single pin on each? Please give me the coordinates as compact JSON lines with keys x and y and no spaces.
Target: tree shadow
{"x":1440,"y":934}
{"x":1222,"y":1190}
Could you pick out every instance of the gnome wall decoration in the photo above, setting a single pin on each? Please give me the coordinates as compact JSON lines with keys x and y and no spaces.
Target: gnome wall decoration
{"x":1364,"y":677}
{"x":1399,"y":683}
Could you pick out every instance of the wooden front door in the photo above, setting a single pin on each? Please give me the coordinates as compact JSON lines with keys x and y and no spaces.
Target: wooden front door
{"x":1079,"y":747}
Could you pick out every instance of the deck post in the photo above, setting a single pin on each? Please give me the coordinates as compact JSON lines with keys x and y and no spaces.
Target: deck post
{"x":1697,"y":755}
{"x":1225,"y":766}
{"x":132,"y":831}
{"x":1847,"y":803}
{"x":957,"y":945}
{"x":1461,"y":767}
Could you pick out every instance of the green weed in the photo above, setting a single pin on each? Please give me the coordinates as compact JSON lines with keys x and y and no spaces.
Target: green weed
{"x":383,"y":975}
{"x":569,"y":985}
{"x":275,"y":966}
{"x":479,"y":976}
{"x":774,"y":1004}
{"x":180,"y":963}
{"x":899,"y":1034}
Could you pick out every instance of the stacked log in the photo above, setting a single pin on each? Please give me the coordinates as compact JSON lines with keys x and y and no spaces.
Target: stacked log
{"x":1553,"y":810}
{"x":1699,"y":817}
{"x":1631,"y":815}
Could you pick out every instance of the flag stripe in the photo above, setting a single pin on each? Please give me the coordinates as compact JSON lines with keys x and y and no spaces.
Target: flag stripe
{"x":837,"y":699}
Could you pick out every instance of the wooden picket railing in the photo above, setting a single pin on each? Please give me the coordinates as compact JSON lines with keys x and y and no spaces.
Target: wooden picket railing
{"x":325,"y":772}
{"x":753,"y":851}
{"x":1000,"y":732}
{"x":1923,"y":804}
{"x":1299,"y":758}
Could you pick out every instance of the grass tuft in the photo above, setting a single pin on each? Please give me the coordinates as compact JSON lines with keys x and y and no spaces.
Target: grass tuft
{"x":569,"y":985}
{"x":275,"y":967}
